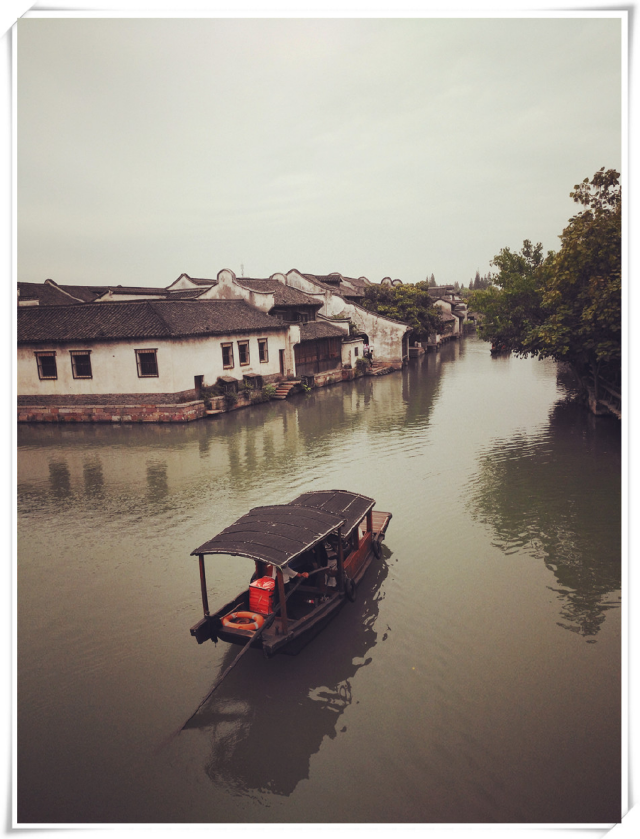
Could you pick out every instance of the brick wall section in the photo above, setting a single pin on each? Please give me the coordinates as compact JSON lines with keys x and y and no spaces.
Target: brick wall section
{"x":178,"y":412}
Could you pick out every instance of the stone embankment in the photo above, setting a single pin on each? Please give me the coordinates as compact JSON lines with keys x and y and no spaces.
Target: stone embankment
{"x":184,"y":411}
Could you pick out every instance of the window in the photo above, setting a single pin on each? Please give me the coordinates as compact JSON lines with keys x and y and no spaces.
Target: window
{"x":263,"y":349}
{"x":243,"y":352}
{"x":81,"y":364}
{"x":355,"y":351}
{"x":147,"y":363}
{"x":227,"y":355}
{"x":47,"y":368}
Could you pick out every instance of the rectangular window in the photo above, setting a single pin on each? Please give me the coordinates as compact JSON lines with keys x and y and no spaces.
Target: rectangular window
{"x":355,"y":351}
{"x":263,"y":349}
{"x":147,"y":363}
{"x":227,"y":355}
{"x":81,"y":364}
{"x":243,"y":352}
{"x":47,"y":368}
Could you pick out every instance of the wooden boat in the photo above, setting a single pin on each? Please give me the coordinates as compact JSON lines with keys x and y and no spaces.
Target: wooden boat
{"x":318,"y":547}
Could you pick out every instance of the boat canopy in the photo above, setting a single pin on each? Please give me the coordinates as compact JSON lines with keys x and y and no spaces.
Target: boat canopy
{"x":351,"y":506}
{"x":275,"y":534}
{"x":279,"y":533}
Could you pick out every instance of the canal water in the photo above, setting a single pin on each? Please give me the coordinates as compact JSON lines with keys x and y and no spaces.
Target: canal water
{"x":476,"y":679}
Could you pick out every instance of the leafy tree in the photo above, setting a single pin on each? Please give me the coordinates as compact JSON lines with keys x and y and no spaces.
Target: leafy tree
{"x":512,"y":309}
{"x":584,"y":292}
{"x":432,"y":282}
{"x":565,"y":305}
{"x":407,"y":303}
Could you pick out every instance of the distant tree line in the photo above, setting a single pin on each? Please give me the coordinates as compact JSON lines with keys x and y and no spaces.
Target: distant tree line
{"x":479,"y":283}
{"x":565,"y":305}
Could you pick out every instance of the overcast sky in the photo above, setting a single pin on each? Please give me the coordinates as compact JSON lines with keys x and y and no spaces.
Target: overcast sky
{"x":401,"y":148}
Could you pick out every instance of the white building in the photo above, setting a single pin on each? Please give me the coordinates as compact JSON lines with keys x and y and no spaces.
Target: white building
{"x":389,"y":338}
{"x":152,"y":349}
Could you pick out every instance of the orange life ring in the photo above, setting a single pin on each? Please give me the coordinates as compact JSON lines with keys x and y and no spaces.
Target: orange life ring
{"x":243,"y":620}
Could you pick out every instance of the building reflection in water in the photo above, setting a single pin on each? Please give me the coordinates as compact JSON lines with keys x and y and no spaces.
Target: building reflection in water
{"x":93,"y":477}
{"x":269,"y":717}
{"x":542,"y":495}
{"x":59,"y":479}
{"x":157,"y":481}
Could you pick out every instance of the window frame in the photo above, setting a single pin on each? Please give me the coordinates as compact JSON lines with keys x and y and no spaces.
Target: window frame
{"x":74,"y":354}
{"x":46,"y":354}
{"x":241,"y":345}
{"x":228,"y":345}
{"x":139,"y":363}
{"x":263,"y":350}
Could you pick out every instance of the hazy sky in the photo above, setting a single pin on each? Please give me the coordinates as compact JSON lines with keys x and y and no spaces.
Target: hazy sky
{"x":397,"y":147}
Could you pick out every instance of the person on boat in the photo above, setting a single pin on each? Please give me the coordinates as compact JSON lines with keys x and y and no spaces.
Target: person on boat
{"x":290,"y":574}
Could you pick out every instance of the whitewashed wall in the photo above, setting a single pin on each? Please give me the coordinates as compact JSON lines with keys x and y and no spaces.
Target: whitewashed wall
{"x":115,"y":371}
{"x":348,"y":351}
{"x":446,"y":306}
{"x":231,"y":288}
{"x":384,"y":334}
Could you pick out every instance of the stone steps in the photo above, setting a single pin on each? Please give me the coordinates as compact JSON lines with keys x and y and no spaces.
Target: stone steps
{"x":283,"y":389}
{"x":379,"y":368}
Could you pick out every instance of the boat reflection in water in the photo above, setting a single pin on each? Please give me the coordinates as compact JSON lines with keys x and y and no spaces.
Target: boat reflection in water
{"x":270,"y":716}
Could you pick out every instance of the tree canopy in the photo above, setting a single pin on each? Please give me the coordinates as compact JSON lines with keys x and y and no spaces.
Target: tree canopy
{"x":512,"y":307}
{"x":564,"y":305}
{"x":407,"y":303}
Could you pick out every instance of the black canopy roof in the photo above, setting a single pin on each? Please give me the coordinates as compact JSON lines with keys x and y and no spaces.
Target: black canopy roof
{"x":279,"y":533}
{"x":351,"y":506}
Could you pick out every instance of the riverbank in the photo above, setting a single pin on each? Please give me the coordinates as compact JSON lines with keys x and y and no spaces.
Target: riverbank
{"x":162,"y":412}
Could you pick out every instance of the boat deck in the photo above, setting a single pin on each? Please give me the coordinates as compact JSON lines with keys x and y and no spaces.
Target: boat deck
{"x":380,"y":523}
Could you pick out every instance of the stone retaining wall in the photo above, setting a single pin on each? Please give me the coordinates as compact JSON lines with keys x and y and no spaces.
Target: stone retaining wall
{"x":178,"y":412}
{"x":107,"y":409}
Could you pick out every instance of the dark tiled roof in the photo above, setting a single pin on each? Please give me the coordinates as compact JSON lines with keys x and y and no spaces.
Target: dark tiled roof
{"x":130,"y":289}
{"x":347,"y":285}
{"x":318,"y":281}
{"x":198,"y":280}
{"x":47,"y":294}
{"x":329,"y":279}
{"x":347,"y":290}
{"x":283,"y":295}
{"x":203,"y":281}
{"x":86,"y":293}
{"x":143,"y":319}
{"x":334,"y":283}
{"x":185,"y":294}
{"x":358,"y":282}
{"x":314,"y":329}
